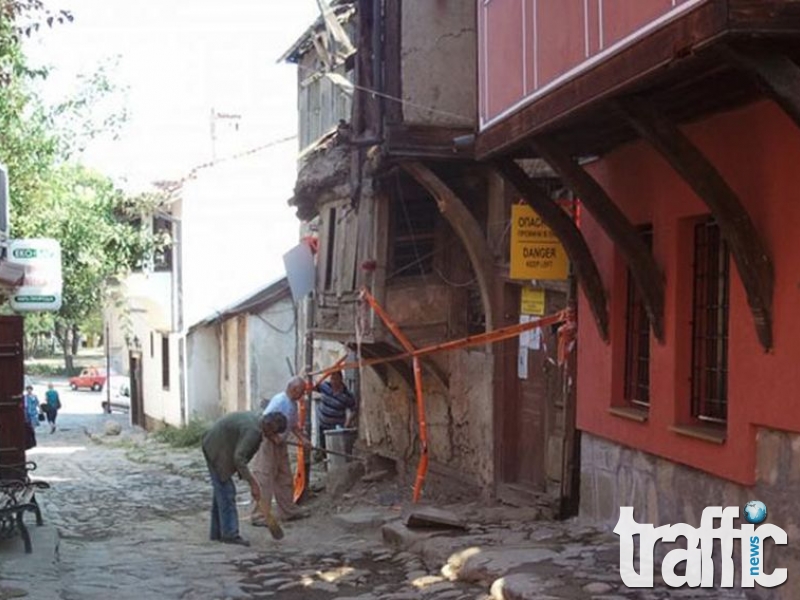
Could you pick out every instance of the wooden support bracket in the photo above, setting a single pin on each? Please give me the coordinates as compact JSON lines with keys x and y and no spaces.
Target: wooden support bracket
{"x":644,"y":270}
{"x":736,"y":227}
{"x":569,"y":234}
{"x":776,"y":74}
{"x":467,"y":229}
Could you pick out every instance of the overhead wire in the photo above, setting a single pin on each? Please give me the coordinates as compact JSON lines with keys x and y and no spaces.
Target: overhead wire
{"x":403,"y":101}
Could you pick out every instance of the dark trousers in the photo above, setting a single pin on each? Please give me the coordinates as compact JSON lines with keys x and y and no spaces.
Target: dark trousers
{"x":51,"y":414}
{"x":224,"y":516}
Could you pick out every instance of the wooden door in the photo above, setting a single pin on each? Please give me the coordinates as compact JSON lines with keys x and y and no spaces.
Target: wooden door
{"x":12,"y":416}
{"x":137,"y":395}
{"x":532,"y":406}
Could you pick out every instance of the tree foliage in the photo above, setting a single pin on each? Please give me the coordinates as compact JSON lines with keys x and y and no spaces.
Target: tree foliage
{"x":52,"y":194}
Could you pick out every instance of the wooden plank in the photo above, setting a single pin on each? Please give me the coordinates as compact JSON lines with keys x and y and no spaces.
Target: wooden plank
{"x":12,"y":416}
{"x":422,"y":141}
{"x":646,"y":59}
{"x":392,"y":77}
{"x":564,"y":227}
{"x":748,"y":250}
{"x":644,"y":270}
{"x":776,"y":74}
{"x":349,"y":252}
{"x":764,"y":16}
{"x":467,"y":229}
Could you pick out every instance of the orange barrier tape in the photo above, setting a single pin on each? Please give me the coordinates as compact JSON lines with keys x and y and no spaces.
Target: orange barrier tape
{"x":566,"y":335}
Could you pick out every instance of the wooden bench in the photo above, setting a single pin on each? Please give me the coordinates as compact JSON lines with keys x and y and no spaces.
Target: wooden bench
{"x":16,"y":498}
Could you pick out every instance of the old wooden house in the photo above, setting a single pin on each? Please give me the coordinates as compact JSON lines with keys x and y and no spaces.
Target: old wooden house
{"x":387,"y":176}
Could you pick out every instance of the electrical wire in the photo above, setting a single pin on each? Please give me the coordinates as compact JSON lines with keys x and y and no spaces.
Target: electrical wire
{"x":402,"y":101}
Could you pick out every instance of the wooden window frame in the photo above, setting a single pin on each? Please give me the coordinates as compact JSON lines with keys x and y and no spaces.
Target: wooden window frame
{"x":710,"y":324}
{"x":637,"y":339}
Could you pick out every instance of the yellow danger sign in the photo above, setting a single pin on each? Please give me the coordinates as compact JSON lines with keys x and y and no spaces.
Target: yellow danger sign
{"x":536,"y":252}
{"x":532,"y":302}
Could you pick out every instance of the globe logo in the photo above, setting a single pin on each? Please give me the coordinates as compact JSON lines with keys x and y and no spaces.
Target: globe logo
{"x":755,"y":512}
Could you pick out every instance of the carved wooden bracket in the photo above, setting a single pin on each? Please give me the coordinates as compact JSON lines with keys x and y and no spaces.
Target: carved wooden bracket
{"x":644,"y":270}
{"x":467,"y":229}
{"x":776,"y":74}
{"x":736,"y":227}
{"x":569,"y":234}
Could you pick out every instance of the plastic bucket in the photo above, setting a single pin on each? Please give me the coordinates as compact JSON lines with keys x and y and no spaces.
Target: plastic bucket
{"x":340,"y":440}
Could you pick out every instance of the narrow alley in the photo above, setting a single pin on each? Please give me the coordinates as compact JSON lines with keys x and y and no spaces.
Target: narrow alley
{"x":127,"y":518}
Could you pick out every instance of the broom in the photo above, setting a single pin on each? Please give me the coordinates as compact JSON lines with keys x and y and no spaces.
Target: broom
{"x":272,"y":523}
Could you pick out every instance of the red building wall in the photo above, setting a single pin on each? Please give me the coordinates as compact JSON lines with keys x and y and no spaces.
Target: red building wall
{"x":524,"y":46}
{"x":757,"y":150}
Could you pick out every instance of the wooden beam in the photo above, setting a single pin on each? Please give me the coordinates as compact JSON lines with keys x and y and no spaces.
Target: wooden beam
{"x":746,"y":246}
{"x":569,"y":234}
{"x":776,"y":74}
{"x":644,"y":270}
{"x":637,"y":64}
{"x":468,"y":231}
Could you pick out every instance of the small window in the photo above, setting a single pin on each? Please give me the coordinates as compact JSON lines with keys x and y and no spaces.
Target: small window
{"x":637,"y":339}
{"x":710,"y":309}
{"x":414,"y":218}
{"x":162,"y":230}
{"x":165,"y":362}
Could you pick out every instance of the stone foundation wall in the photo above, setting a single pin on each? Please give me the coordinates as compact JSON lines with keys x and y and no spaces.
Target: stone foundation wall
{"x":663,"y":492}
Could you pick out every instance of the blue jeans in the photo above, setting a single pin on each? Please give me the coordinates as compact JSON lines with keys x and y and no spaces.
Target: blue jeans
{"x":224,"y":516}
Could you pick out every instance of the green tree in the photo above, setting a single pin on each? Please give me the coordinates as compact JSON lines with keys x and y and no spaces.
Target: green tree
{"x":52,"y":194}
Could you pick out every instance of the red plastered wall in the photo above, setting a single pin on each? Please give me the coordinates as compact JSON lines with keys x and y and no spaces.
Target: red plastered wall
{"x":757,"y":150}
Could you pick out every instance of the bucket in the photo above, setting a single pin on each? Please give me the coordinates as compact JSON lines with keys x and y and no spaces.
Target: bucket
{"x":340,"y":440}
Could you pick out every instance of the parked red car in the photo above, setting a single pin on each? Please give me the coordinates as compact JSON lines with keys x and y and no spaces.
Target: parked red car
{"x":91,"y":378}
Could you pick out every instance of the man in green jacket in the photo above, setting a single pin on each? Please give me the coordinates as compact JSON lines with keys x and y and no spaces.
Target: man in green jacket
{"x":228,"y":446}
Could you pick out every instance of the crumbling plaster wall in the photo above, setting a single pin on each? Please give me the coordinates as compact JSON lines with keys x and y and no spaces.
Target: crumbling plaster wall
{"x":459,"y":418}
{"x":434,"y":35}
{"x":663,"y":493}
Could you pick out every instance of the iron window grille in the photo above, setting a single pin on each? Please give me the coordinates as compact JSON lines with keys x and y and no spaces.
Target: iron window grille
{"x":637,"y":339}
{"x":710,"y":313}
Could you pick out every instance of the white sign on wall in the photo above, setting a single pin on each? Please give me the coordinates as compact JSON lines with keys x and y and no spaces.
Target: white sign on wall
{"x":42,"y":284}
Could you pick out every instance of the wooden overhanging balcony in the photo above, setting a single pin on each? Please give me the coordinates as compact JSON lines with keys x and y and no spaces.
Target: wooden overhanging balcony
{"x":712,"y":56}
{"x":576,"y":82}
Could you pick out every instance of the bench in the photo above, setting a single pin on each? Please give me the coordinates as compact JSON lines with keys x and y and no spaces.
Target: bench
{"x":18,"y":496}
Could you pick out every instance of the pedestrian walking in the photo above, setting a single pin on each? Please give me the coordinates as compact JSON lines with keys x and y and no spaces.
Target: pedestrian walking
{"x":51,"y":406}
{"x":31,"y":405}
{"x":228,"y":446}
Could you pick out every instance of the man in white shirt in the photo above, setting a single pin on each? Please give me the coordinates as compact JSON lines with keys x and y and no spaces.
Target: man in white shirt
{"x":271,"y":466}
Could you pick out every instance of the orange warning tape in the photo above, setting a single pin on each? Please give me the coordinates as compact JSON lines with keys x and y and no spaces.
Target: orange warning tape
{"x":491,"y":337}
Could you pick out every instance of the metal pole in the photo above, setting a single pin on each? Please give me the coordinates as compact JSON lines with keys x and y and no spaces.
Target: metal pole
{"x":108,"y":368}
{"x":309,"y":369}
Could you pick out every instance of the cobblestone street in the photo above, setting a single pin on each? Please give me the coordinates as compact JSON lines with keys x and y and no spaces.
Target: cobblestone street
{"x":131,"y":521}
{"x":127,"y":518}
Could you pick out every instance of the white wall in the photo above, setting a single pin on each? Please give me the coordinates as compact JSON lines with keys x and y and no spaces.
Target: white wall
{"x":203,"y":376}
{"x":236,"y":227}
{"x":271,"y":340}
{"x":161,"y":404}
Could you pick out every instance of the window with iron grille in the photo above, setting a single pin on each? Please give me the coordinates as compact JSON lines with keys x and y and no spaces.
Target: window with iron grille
{"x":710,"y":303}
{"x":637,"y":339}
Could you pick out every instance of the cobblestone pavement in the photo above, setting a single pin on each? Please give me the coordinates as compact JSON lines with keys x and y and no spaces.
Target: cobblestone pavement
{"x":131,"y":522}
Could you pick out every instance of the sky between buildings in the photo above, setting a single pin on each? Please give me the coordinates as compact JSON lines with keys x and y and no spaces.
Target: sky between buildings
{"x":178,"y":60}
